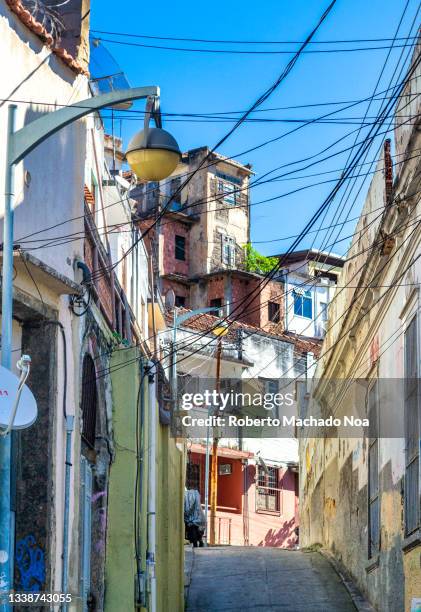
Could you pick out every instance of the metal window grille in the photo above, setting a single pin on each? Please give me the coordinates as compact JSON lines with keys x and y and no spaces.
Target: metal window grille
{"x":180,"y":248}
{"x":412,"y":429}
{"x":89,"y":400}
{"x":268,"y":493}
{"x":373,"y":476}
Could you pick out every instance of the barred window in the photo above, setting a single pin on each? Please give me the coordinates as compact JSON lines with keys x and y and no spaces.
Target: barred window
{"x":268,"y":493}
{"x":89,"y":401}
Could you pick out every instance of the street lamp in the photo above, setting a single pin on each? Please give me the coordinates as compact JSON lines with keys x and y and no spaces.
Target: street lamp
{"x":153,"y":154}
{"x":19,"y":144}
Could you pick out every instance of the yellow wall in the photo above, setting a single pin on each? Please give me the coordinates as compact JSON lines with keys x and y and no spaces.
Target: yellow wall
{"x":412,"y":571}
{"x":120,"y":567}
{"x":170,"y":523}
{"x":170,"y":464}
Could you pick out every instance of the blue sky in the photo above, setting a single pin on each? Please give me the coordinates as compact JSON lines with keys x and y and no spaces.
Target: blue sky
{"x":209,"y":83}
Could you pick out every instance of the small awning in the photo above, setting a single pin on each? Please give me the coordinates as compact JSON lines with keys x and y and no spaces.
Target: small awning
{"x":26,"y":264}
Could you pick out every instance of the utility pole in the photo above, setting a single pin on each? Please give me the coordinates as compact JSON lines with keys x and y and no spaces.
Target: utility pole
{"x":214,"y":464}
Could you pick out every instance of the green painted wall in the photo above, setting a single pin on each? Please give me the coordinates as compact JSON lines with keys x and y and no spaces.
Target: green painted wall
{"x":120,"y":557}
{"x":120,"y":569}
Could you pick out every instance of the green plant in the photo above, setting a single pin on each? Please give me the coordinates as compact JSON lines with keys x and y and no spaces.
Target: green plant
{"x":256,"y":262}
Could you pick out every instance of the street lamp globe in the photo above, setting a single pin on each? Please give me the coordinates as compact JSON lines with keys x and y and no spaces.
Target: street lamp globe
{"x":154,"y":157}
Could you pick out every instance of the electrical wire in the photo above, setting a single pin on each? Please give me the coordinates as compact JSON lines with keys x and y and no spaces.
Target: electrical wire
{"x":255,"y":105}
{"x":371,"y":247}
{"x":255,"y":42}
{"x":65,"y":239}
{"x":213,"y":163}
{"x":248,"y":51}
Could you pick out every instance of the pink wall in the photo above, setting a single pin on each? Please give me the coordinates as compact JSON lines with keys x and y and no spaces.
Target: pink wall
{"x":275,"y":529}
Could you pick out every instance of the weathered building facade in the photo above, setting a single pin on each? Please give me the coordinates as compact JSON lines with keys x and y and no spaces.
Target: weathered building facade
{"x":360,"y":494}
{"x":199,"y":244}
{"x":85,"y":312}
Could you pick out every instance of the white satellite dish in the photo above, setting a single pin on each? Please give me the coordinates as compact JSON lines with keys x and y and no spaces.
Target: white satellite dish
{"x":170,"y":299}
{"x":27,"y":411}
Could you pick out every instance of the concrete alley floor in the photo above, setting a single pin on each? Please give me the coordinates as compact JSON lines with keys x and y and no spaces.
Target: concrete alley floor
{"x":234,"y":578}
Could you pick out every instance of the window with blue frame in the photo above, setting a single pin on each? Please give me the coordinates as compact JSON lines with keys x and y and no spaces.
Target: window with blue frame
{"x":228,"y":186}
{"x":303,"y":303}
{"x":229,"y":191}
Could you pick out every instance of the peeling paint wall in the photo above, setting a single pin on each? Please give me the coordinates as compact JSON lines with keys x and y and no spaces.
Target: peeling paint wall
{"x":367,"y":341}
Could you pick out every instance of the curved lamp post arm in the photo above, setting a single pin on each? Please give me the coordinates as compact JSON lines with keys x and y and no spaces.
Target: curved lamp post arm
{"x":31,"y":135}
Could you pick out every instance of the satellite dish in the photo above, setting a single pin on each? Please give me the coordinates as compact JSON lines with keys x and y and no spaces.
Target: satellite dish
{"x":27,"y":411}
{"x":170,"y":299}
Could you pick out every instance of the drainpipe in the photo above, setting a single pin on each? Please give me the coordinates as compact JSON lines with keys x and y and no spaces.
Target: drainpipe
{"x":69,"y":431}
{"x":151,"y":552}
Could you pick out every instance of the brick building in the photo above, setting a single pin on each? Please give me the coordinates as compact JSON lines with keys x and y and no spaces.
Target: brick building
{"x":198,"y":245}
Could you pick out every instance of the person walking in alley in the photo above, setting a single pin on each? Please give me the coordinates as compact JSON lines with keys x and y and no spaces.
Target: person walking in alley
{"x":193,"y":517}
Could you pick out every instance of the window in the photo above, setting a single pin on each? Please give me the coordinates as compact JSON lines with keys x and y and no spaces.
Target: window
{"x":268,"y":496}
{"x":228,"y":190}
{"x":216,"y":303}
{"x":373,"y":475}
{"x":323,"y":312}
{"x":272,"y":386}
{"x":175,"y":192}
{"x":303,"y":303}
{"x":228,"y":186}
{"x":89,"y":401}
{"x":228,"y":250}
{"x":412,"y":429}
{"x":180,"y":301}
{"x":274,"y":312}
{"x":180,"y":248}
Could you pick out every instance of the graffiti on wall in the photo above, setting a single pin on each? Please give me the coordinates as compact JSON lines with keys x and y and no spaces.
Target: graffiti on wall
{"x":30,"y":563}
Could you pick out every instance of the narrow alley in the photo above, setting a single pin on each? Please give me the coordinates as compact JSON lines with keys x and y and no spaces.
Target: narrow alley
{"x":268,"y":579}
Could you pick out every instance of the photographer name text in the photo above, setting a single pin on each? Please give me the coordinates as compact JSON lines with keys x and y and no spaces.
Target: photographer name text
{"x":284,"y":421}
